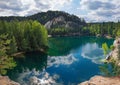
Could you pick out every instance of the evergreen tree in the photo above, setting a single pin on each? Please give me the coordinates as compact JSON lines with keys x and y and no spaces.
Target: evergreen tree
{"x":6,"y":62}
{"x":13,"y":46}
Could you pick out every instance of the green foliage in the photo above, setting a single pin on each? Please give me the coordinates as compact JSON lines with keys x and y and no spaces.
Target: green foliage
{"x":115,"y":68}
{"x":118,"y":32}
{"x":105,"y":48}
{"x":118,"y":55}
{"x":111,"y":68}
{"x":59,"y":31}
{"x":12,"y":46}
{"x":112,"y":47}
{"x":57,"y":28}
{"x":103,"y":29}
{"x":18,"y":36}
{"x":44,"y":17}
{"x":6,"y":62}
{"x":105,"y":70}
{"x":24,"y":35}
{"x":94,"y":29}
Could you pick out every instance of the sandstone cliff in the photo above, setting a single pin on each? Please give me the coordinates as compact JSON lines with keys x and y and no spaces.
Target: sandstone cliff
{"x":4,"y":80}
{"x":100,"y":80}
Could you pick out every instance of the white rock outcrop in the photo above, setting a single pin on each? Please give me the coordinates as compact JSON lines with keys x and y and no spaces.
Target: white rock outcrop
{"x":116,"y":51}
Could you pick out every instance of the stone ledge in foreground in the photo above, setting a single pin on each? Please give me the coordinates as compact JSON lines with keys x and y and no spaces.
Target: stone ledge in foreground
{"x":4,"y":80}
{"x":100,"y":80}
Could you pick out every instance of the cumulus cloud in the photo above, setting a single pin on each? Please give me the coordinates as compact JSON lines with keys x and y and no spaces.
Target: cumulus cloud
{"x":91,"y":10}
{"x":61,"y":60}
{"x":101,"y":10}
{"x":35,"y":77}
{"x":15,"y":6}
{"x":28,"y":7}
{"x":93,"y":52}
{"x":96,"y":4}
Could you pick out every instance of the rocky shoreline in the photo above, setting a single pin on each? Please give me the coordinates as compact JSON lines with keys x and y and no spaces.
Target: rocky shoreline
{"x":4,"y":80}
{"x":96,"y":80}
{"x":100,"y":80}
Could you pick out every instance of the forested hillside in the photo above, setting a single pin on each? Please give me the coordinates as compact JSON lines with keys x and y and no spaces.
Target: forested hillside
{"x":103,"y":29}
{"x":44,"y":17}
{"x":56,"y":22}
{"x":20,"y":36}
{"x":25,"y":35}
{"x":60,"y":23}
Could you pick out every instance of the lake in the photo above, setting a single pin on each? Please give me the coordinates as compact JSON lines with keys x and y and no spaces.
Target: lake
{"x":70,"y":60}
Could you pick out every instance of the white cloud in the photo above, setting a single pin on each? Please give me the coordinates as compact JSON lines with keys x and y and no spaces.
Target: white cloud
{"x":91,"y":10}
{"x":28,"y":7}
{"x":93,"y":52}
{"x":61,"y":60}
{"x":35,"y":77}
{"x":101,"y":10}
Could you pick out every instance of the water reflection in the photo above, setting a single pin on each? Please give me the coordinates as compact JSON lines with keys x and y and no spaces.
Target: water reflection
{"x":26,"y":65}
{"x":70,"y":61}
{"x":35,"y":77}
{"x":60,"y":60}
{"x":63,"y":45}
{"x":93,"y":52}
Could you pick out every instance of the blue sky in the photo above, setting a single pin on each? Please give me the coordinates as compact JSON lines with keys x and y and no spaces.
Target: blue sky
{"x":90,"y":10}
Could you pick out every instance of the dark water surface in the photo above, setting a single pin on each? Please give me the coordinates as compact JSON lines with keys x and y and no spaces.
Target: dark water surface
{"x":70,"y":60}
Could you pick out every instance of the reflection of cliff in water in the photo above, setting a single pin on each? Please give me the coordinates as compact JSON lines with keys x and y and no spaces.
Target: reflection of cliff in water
{"x":36,"y":60}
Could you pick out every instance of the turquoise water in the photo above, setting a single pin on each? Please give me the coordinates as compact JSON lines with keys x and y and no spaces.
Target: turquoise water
{"x":70,"y":60}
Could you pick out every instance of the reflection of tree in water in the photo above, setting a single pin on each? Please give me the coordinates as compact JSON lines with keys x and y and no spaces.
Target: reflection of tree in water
{"x":62,"y":45}
{"x":31,"y":61}
{"x":110,"y":69}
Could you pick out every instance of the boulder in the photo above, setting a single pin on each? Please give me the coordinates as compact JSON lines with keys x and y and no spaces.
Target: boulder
{"x":100,"y":80}
{"x":4,"y":80}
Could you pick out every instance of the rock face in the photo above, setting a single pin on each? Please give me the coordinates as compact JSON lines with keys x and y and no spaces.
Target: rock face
{"x":100,"y":80}
{"x":48,"y":18}
{"x":55,"y":22}
{"x":4,"y":80}
{"x":115,"y":54}
{"x":60,"y":22}
{"x":116,"y":51}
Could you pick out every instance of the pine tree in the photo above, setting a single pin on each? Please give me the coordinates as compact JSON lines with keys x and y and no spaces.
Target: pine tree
{"x":13,"y":46}
{"x":6,"y":62}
